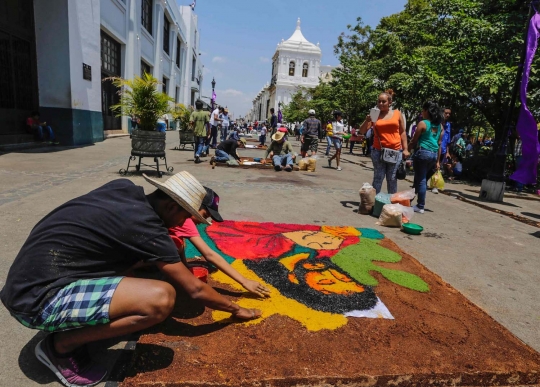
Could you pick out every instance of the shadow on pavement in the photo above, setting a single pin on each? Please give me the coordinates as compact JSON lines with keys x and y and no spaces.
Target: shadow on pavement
{"x":43,"y":149}
{"x":531,"y":215}
{"x":351,"y":204}
{"x":34,"y":370}
{"x":476,"y":198}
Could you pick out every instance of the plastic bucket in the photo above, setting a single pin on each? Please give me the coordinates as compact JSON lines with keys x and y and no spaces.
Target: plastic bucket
{"x":380,"y":200}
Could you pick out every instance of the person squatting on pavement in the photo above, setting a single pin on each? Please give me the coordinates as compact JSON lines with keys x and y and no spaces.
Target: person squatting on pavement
{"x":68,"y":278}
{"x":311,"y":134}
{"x":281,"y":152}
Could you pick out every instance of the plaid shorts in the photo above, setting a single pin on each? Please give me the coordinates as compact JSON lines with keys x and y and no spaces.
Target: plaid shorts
{"x":81,"y":303}
{"x":310,"y":143}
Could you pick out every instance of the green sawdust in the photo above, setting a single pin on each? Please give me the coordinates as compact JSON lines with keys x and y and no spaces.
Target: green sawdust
{"x":358,"y":261}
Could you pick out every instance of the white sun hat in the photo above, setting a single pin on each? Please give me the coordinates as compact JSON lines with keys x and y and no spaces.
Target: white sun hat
{"x":185,"y":190}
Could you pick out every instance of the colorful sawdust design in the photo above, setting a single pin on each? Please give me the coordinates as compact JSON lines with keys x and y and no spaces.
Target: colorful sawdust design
{"x":316,"y":274}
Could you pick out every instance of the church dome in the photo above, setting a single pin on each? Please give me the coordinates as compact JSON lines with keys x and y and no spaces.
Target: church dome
{"x":297,"y":42}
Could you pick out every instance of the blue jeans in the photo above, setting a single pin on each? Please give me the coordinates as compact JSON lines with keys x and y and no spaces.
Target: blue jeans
{"x":329,"y":143}
{"x":423,"y":162}
{"x":46,"y":129}
{"x":199,"y":145}
{"x":222,"y":156}
{"x":161,"y":127}
{"x":382,"y":170}
{"x":224,"y":131}
{"x":263,"y":139}
{"x":283,"y":160}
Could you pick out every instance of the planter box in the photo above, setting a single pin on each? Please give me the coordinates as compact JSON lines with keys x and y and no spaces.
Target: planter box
{"x":148,"y":144}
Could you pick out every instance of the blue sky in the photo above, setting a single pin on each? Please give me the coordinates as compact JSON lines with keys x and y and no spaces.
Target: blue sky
{"x":239,"y":37}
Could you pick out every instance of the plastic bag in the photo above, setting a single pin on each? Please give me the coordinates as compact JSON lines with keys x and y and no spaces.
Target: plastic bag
{"x":311,"y":164}
{"x":404,"y":197}
{"x":436,"y":181}
{"x":367,"y":199}
{"x":394,"y":215}
{"x":303,"y":165}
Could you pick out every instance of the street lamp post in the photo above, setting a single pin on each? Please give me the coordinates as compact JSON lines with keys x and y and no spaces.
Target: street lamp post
{"x":213,"y":93}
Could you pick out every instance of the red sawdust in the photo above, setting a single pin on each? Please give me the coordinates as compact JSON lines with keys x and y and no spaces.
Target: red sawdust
{"x":439,"y":338}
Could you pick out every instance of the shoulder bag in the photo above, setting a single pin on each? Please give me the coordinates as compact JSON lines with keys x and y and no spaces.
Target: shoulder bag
{"x":388,"y":155}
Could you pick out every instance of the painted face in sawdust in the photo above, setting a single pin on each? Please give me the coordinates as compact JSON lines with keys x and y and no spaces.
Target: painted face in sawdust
{"x":316,"y":240}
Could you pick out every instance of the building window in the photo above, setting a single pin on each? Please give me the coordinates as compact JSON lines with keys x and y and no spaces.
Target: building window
{"x":166,"y":34}
{"x":178,"y":48}
{"x":305,"y":68}
{"x":292,"y":65}
{"x":193,"y":65}
{"x":165,"y":90}
{"x":177,"y":95}
{"x":145,"y":68}
{"x":146,"y":15}
{"x":110,"y":55}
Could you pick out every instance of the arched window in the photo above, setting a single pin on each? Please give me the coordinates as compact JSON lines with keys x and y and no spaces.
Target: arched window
{"x":305,"y":68}
{"x":292,"y":65}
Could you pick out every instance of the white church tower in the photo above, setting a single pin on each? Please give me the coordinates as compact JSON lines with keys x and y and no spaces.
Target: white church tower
{"x":295,"y":63}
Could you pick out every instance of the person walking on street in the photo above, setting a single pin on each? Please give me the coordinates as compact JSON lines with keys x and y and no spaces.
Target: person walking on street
{"x":198,"y":120}
{"x":225,"y":123}
{"x":310,"y":136}
{"x":389,"y":142}
{"x":273,"y":122}
{"x":427,"y":145}
{"x":328,"y":137}
{"x":338,"y":129}
{"x":214,"y":122}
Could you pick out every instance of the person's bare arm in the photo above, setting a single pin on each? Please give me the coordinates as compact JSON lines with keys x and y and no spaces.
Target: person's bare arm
{"x":403,"y":135}
{"x":182,"y":278}
{"x":365,"y":125}
{"x":439,"y":151}
{"x":216,"y":259}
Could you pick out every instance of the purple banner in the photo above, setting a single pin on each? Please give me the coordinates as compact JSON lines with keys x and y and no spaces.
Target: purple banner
{"x":526,"y":125}
{"x":279,"y":116}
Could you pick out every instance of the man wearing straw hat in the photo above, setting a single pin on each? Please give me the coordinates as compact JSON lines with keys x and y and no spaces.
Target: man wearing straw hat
{"x":68,"y":277}
{"x":281,"y":152}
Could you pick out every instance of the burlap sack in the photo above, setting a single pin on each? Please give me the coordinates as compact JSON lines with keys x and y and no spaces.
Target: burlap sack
{"x":311,"y":164}
{"x":367,"y":199}
{"x":303,"y":165}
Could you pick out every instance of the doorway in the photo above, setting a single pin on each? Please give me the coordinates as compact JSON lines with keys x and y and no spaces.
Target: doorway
{"x":110,"y":67}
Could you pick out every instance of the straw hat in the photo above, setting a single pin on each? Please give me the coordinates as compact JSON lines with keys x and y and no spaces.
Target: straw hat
{"x":278,"y":136}
{"x":185,"y":190}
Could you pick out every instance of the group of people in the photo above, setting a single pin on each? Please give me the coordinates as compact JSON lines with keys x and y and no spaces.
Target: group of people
{"x":75,"y":276}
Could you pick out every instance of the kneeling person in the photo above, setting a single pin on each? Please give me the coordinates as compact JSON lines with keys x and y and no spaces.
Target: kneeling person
{"x":226,"y":150}
{"x":281,"y":152}
{"x":68,"y":278}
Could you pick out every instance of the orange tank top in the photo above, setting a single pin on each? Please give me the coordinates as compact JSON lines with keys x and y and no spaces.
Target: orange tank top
{"x":388,"y":132}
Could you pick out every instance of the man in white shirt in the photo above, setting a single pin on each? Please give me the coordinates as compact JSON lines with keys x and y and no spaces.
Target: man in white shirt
{"x":214,"y":121}
{"x":338,"y":129}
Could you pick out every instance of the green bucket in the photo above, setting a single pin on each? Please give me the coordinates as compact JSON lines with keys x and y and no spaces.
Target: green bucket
{"x":412,"y":228}
{"x":380,"y":200}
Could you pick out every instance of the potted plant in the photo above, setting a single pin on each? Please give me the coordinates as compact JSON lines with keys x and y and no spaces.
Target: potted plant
{"x":182,"y":114}
{"x":140,"y":97}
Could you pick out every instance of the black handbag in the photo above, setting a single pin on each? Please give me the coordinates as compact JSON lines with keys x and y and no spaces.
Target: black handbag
{"x":401,"y":173}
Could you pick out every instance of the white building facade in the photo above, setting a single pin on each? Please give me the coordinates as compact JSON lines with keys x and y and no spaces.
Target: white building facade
{"x":296,"y":62}
{"x":72,"y":48}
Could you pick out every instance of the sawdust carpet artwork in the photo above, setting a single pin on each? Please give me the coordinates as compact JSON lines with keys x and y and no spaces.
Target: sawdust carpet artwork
{"x":347,"y":306}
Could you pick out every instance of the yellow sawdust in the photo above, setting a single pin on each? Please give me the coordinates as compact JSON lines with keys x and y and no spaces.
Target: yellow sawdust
{"x":276,"y":304}
{"x":290,"y":262}
{"x":341,"y":232}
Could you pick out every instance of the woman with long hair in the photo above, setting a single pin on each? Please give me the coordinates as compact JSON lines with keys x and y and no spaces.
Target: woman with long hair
{"x":427,"y":144}
{"x":390,"y":139}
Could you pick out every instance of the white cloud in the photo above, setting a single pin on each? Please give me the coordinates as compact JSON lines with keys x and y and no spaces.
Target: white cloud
{"x":218,"y":59}
{"x":232,"y":93}
{"x":264,"y":60}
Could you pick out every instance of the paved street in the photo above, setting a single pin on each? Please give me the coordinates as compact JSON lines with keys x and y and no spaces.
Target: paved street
{"x":492,"y":259}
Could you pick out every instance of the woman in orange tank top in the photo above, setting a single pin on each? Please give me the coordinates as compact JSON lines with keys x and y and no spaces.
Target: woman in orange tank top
{"x":388,"y":132}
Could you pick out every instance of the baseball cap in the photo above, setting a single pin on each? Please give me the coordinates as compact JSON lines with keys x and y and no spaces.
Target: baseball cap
{"x":210,"y":203}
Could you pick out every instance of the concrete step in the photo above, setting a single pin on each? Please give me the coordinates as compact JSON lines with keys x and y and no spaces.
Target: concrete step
{"x":114,"y":133}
